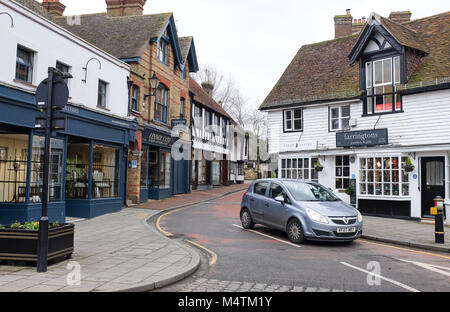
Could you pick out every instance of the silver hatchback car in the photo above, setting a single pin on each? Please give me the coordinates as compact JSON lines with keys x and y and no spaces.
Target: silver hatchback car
{"x":305,"y":210}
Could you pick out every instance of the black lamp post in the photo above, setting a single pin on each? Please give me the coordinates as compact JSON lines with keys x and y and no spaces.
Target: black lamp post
{"x":154,"y":83}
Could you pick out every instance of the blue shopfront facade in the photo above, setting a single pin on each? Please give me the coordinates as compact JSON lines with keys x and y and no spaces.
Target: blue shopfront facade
{"x":161,"y":175}
{"x":88,"y":161}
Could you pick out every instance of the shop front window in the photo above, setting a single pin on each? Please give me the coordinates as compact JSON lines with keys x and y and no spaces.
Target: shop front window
{"x":153,"y":168}
{"x":77,"y":170}
{"x":105,"y":172}
{"x":383,"y":176}
{"x":37,"y":170}
{"x":299,"y":168}
{"x":164,"y":176}
{"x":13,"y":167}
{"x":144,"y":168}
{"x":342,"y":172}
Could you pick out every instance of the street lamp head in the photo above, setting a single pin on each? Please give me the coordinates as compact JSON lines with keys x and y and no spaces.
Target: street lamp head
{"x":154,"y":82}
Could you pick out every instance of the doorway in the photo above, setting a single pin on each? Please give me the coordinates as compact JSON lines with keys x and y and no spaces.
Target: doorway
{"x":432,"y":182}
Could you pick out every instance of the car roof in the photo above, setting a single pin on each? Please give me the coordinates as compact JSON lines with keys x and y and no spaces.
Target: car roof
{"x":283,"y":180}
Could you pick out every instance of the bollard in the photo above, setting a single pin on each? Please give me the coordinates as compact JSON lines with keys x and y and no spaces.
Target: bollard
{"x":439,"y":220}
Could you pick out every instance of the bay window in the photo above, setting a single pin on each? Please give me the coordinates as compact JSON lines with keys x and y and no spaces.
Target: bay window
{"x":293,"y":120}
{"x":383,"y":176}
{"x":382,"y":78}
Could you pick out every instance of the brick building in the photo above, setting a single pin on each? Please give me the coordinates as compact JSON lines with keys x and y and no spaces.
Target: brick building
{"x":151,"y":46}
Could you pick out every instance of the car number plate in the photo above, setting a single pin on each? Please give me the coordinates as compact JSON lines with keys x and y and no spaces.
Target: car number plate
{"x":346,"y":230}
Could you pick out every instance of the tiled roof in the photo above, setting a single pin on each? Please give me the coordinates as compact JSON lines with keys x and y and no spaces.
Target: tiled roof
{"x":36,"y":7}
{"x":202,"y":97}
{"x":122,"y":37}
{"x":404,"y":35}
{"x":319,"y":71}
{"x":185,"y":45}
{"x":322,"y":72}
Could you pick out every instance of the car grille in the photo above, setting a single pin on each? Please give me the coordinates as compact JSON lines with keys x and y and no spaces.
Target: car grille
{"x":340,"y":220}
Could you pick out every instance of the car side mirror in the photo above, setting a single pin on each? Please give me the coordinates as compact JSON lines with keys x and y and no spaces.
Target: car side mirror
{"x":280,"y":198}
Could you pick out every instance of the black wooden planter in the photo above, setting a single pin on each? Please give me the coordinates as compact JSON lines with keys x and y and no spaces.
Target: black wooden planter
{"x":21,"y":245}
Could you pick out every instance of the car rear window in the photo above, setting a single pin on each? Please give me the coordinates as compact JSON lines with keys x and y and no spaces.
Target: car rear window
{"x":260,"y":188}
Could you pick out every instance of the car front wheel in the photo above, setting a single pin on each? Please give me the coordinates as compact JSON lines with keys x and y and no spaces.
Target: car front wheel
{"x":295,"y":231}
{"x":246,"y":219}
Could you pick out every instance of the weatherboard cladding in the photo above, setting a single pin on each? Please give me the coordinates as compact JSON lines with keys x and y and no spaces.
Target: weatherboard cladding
{"x":417,"y":115}
{"x":321,"y":71}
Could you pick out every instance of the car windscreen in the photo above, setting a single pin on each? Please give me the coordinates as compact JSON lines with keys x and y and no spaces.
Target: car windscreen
{"x":302,"y":191}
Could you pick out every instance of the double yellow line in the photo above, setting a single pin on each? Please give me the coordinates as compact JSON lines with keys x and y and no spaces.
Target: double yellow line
{"x":212,"y":254}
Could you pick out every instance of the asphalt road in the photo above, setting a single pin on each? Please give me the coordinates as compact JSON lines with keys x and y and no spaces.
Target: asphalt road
{"x":266,"y":256}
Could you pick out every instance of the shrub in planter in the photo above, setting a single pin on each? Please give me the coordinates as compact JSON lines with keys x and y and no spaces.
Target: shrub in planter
{"x":318,"y":166}
{"x":18,"y":241}
{"x":350,"y":191}
{"x":409,"y":167}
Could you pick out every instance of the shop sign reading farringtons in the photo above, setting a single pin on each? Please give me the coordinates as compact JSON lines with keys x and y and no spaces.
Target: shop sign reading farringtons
{"x":362,"y":138}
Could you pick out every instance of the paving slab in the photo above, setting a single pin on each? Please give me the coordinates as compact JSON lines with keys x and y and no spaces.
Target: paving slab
{"x":404,"y":232}
{"x":115,"y":252}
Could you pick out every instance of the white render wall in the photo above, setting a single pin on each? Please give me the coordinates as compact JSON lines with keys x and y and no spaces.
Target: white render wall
{"x":52,"y":43}
{"x":425,"y":120}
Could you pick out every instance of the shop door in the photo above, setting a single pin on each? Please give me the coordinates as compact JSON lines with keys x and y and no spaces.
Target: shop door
{"x":225,"y":173}
{"x":433,"y":182}
{"x":179,"y":176}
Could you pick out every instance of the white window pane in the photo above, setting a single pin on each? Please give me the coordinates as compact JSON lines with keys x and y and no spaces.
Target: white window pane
{"x":397,"y":69}
{"x":368,"y":74}
{"x":387,"y":70}
{"x":378,"y":72}
{"x":345,"y":111}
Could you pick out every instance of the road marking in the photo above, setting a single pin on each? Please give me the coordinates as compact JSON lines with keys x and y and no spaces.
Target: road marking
{"x":431,"y":267}
{"x":213,"y":255}
{"x":406,"y":249}
{"x":168,"y":234}
{"x":269,"y":236}
{"x":382,"y":277}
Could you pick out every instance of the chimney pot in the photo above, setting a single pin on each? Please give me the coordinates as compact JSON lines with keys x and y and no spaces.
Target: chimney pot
{"x":343,"y":25}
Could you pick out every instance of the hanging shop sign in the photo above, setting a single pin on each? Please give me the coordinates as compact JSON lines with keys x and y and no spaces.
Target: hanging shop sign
{"x":362,"y":138}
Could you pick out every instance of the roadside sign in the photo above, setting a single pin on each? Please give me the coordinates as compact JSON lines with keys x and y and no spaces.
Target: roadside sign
{"x":60,"y":93}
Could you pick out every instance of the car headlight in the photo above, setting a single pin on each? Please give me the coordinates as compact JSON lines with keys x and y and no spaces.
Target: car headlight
{"x":360,"y":218}
{"x":315,"y":216}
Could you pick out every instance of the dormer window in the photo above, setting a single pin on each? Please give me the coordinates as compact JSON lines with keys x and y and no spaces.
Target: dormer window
{"x":382,"y":79}
{"x":163,"y":49}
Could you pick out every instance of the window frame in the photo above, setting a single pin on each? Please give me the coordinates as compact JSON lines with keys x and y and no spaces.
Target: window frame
{"x":104,"y":95}
{"x":164,"y":103}
{"x":339,"y":118}
{"x":29,"y":66}
{"x":163,"y":49}
{"x":292,"y":120}
{"x":342,"y":177}
{"x":135,"y":98}
{"x":370,"y":85}
{"x":403,"y":177}
{"x":290,"y":168}
{"x":65,"y":66}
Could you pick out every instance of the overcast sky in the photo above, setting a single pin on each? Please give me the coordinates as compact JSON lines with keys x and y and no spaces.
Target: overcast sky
{"x":255,"y":40}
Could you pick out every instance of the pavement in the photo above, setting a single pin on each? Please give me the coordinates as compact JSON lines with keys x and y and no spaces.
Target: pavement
{"x":117,"y":252}
{"x":404,"y":232}
{"x":194,"y":197}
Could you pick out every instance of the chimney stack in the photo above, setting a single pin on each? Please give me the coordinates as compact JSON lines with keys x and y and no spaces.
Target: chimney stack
{"x":208,"y":87}
{"x":117,"y":8}
{"x":343,"y":25}
{"x":54,"y":7}
{"x":400,"y":17}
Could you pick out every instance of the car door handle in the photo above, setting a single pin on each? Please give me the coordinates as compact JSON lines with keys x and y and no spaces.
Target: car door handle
{"x":267,"y":205}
